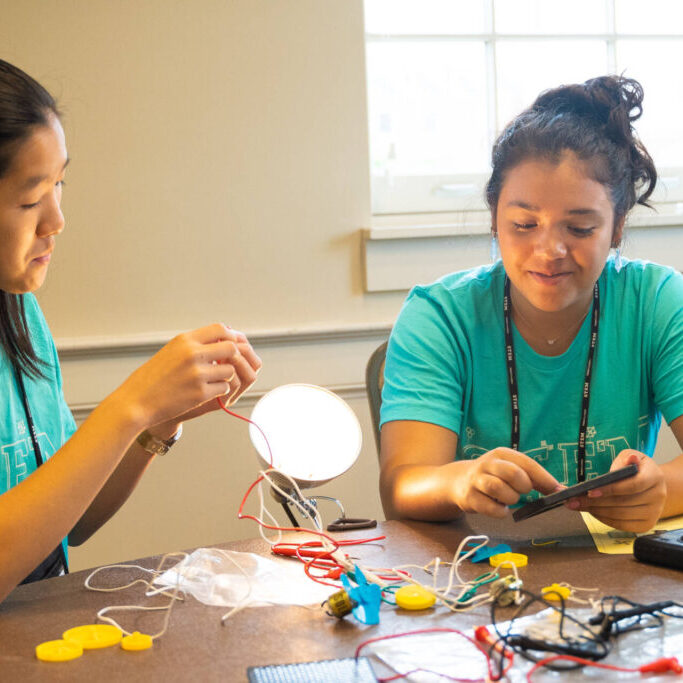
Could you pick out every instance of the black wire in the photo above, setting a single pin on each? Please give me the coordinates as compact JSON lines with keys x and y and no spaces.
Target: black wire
{"x":588,"y":646}
{"x":290,"y":514}
{"x":650,"y":613}
{"x":675,"y":616}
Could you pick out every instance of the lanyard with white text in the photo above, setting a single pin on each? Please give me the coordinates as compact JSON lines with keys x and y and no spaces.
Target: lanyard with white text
{"x":56,"y":561}
{"x":512,"y":378}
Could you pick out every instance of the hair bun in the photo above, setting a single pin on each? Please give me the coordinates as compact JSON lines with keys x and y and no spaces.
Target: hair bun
{"x":614,"y":102}
{"x":595,"y":121}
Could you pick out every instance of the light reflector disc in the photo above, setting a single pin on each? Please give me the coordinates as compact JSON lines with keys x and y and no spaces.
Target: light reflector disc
{"x":314,"y":435}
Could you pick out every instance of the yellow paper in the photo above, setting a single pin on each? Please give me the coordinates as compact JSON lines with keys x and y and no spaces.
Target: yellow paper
{"x":615,"y":541}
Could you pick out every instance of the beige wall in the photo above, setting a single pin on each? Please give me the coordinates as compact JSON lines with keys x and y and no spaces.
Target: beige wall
{"x":219,"y":172}
{"x":219,"y":161}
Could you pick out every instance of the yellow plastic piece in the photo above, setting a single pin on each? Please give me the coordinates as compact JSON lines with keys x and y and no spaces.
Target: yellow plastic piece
{"x":508,"y":560}
{"x":94,"y":636}
{"x":136,"y":641}
{"x":414,"y":597}
{"x":58,"y":651}
{"x":552,"y":592}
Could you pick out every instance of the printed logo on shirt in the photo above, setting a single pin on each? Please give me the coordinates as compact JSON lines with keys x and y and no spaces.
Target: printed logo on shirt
{"x":17,"y":460}
{"x":561,"y":459}
{"x":14,"y":462}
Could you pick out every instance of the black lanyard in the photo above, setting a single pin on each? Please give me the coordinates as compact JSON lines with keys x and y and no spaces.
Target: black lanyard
{"x":512,"y":378}
{"x":50,"y":564}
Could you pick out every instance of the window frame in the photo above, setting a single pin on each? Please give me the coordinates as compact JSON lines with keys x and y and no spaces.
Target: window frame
{"x":416,"y":197}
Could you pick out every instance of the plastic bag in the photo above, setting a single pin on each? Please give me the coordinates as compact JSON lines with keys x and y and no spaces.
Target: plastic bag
{"x":229,"y":578}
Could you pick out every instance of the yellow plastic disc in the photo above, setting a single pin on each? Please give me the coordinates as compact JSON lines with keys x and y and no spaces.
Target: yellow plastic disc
{"x":554,"y":590}
{"x":508,"y":559}
{"x":414,"y":597}
{"x":94,"y":636}
{"x":58,"y":651}
{"x":136,"y":641}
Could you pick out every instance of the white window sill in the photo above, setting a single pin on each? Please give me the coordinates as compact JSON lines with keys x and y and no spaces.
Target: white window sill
{"x":405,"y":249}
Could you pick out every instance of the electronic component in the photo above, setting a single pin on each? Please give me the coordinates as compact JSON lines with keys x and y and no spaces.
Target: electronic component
{"x":504,"y":590}
{"x":553,"y":500}
{"x":340,"y":604}
{"x":664,"y":547}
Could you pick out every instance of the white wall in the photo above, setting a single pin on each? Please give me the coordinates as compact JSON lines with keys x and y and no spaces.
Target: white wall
{"x":219,"y":172}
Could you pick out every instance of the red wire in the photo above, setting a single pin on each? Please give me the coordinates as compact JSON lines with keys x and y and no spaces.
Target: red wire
{"x":251,"y":422}
{"x":317,"y":557}
{"x":658,"y":666}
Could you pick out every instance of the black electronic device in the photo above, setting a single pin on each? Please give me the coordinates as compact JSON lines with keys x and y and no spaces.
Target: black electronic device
{"x":553,"y":500}
{"x":662,"y":547}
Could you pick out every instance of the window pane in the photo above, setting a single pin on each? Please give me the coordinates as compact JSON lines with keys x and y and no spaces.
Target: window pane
{"x":427,"y":107}
{"x":527,"y":68}
{"x":658,"y":16}
{"x":550,"y":16}
{"x":424,"y":17}
{"x":652,"y":63}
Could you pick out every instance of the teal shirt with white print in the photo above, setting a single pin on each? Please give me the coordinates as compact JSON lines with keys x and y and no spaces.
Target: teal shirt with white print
{"x":51,"y":415}
{"x":446,"y":366}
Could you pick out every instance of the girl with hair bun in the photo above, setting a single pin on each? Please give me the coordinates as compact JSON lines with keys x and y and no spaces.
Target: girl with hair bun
{"x":556,"y":363}
{"x":59,"y":484}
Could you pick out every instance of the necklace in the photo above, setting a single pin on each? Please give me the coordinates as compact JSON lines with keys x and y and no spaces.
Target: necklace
{"x":568,"y":332}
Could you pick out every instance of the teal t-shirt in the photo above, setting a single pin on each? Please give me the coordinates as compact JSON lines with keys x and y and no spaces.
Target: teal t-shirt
{"x":446,"y":365}
{"x":51,"y":415}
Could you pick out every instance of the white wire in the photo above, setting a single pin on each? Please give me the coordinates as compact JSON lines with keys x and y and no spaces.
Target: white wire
{"x":174,"y":596}
{"x":455,"y":581}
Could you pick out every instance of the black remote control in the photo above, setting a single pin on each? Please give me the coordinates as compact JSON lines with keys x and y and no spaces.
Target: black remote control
{"x":663,"y":547}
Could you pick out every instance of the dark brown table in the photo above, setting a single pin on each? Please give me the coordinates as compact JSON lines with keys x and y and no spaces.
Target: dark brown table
{"x":197,"y":647}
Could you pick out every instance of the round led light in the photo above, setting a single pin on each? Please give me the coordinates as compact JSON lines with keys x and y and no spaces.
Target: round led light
{"x":313,"y":434}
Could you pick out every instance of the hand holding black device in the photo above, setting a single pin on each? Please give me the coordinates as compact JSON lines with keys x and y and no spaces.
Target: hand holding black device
{"x":553,"y":500}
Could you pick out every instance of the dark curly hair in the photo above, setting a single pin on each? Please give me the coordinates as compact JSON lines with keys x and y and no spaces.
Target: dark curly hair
{"x":594,"y":120}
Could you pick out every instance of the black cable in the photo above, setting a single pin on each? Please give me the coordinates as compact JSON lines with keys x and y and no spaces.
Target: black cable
{"x":642,"y":616}
{"x":675,"y":616}
{"x":588,"y":646}
{"x":290,"y":514}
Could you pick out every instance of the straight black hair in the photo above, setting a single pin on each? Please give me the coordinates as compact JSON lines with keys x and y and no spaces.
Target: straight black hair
{"x":24,"y":105}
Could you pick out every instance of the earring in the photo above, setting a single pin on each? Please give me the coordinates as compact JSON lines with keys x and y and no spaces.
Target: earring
{"x":617,"y":259}
{"x":495,"y":254}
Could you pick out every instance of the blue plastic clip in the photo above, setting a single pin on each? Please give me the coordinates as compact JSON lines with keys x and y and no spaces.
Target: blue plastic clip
{"x":367,"y":596}
{"x":485,"y":552}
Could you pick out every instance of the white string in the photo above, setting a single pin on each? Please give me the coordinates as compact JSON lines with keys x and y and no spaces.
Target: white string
{"x":152,"y":590}
{"x":245,"y":601}
{"x":444,"y":595}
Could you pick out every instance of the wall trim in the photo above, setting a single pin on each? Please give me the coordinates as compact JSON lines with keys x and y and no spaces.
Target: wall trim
{"x":77,"y":348}
{"x":80,"y":411}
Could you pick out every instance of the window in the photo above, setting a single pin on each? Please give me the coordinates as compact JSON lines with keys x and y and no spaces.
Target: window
{"x":445,"y":76}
